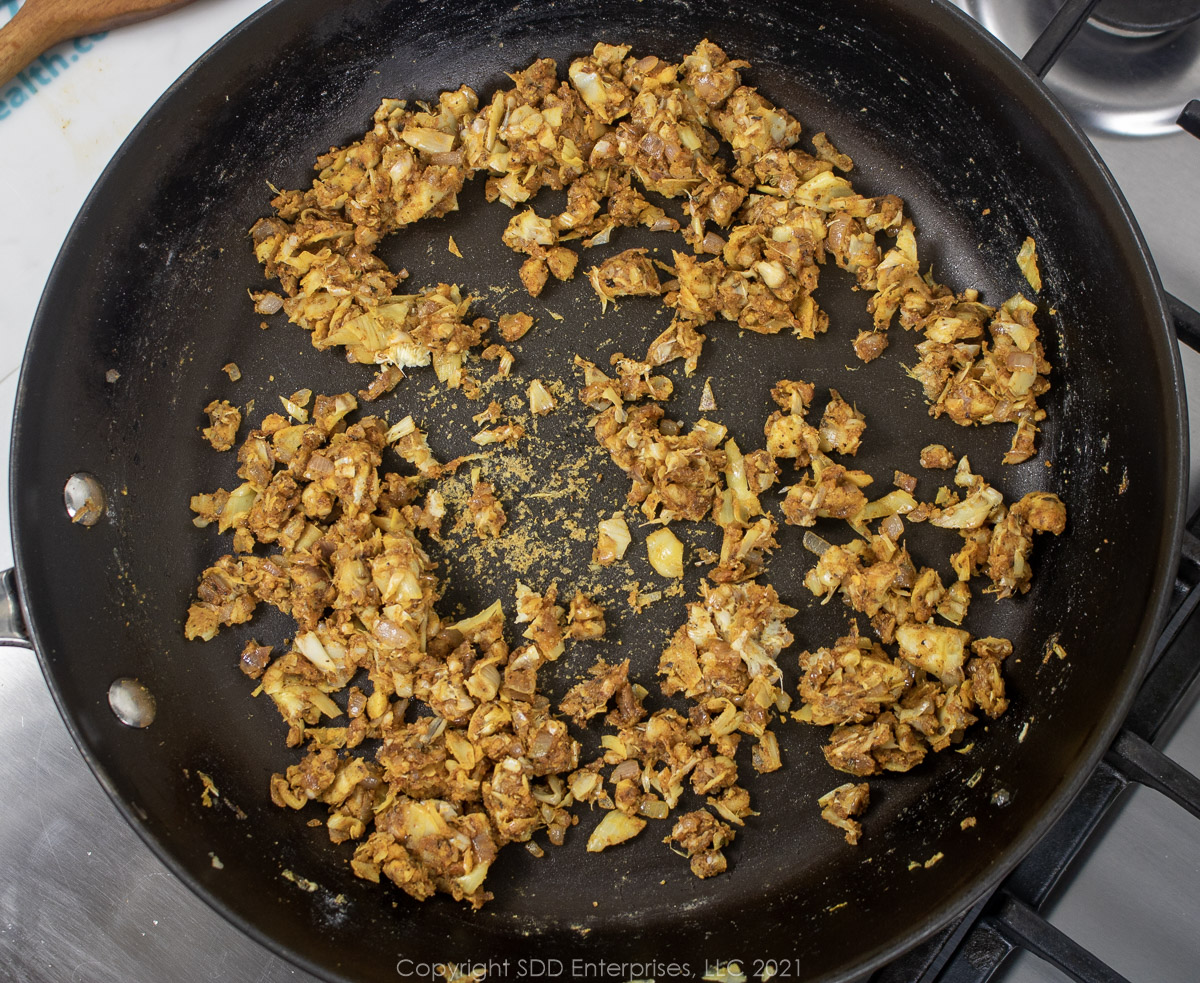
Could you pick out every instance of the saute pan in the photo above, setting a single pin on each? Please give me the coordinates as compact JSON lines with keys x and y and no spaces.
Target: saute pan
{"x":148,"y":300}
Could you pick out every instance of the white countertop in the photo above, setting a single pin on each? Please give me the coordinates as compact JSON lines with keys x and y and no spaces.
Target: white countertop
{"x":59,"y":126}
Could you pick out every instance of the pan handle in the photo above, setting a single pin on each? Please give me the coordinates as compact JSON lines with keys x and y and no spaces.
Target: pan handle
{"x":12,"y":622}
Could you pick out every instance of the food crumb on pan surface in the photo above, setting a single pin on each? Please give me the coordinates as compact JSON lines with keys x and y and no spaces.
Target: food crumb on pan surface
{"x":208,"y":791}
{"x":467,"y":750}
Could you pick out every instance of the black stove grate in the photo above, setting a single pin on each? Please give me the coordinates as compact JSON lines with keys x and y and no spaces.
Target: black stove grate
{"x":972,"y":950}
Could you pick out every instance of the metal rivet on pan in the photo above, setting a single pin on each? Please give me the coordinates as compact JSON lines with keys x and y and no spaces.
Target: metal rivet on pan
{"x":1001,"y":797}
{"x":84,"y":498}
{"x":132,"y":703}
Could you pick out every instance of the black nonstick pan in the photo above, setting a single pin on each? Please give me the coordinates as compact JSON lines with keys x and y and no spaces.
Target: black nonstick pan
{"x":148,"y":301}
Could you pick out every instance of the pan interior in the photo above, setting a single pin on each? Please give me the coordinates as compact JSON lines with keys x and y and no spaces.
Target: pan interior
{"x":152,"y":284}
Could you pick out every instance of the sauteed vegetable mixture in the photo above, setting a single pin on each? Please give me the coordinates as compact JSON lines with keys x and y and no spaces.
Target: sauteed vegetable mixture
{"x":466,"y":752}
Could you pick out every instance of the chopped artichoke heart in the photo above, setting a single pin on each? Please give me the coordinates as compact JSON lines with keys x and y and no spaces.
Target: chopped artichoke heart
{"x":429,"y":140}
{"x":936,"y":649}
{"x":540,"y":400}
{"x":614,"y":539}
{"x":747,"y":505}
{"x":400,"y":430}
{"x":898,"y":502}
{"x":309,"y":645}
{"x":475,"y":622}
{"x":241,"y":500}
{"x":972,"y":512}
{"x":298,"y":413}
{"x":470,"y":882}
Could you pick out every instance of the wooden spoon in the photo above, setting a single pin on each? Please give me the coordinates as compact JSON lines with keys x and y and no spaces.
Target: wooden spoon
{"x":41,"y":24}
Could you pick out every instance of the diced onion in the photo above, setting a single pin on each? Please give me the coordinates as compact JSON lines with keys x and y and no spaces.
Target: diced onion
{"x":614,"y":828}
{"x":815,"y":544}
{"x":892,"y":526}
{"x":267,"y":303}
{"x":651,"y":145}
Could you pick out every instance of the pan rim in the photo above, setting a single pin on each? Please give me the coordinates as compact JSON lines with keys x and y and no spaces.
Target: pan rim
{"x":1000,"y":61}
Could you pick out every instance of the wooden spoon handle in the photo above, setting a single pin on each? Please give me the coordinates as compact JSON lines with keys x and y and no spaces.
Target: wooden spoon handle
{"x":41,"y":24}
